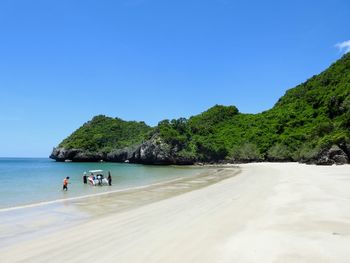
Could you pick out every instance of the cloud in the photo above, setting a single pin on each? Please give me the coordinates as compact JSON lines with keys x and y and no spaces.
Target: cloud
{"x":344,"y":46}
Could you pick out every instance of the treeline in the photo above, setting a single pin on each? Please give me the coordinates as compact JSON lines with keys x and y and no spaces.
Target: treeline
{"x":104,"y":134}
{"x":306,"y":120}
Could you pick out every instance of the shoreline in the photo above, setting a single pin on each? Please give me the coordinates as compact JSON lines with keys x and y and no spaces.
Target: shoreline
{"x":132,"y":188}
{"x":270,"y":213}
{"x":33,"y":205}
{"x":39,"y":219}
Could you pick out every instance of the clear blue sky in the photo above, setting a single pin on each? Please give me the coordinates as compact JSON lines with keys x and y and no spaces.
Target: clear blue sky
{"x":64,"y":61}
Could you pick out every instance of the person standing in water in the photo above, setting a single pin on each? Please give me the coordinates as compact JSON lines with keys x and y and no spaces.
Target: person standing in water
{"x":65,"y":183}
{"x":109,"y":178}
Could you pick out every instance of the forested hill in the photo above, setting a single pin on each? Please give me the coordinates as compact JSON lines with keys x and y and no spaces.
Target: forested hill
{"x":105,"y":134}
{"x":99,"y":136}
{"x":310,"y":123}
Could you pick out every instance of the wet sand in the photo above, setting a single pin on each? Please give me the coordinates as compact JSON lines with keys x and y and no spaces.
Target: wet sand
{"x":267,"y":213}
{"x":30,"y":221}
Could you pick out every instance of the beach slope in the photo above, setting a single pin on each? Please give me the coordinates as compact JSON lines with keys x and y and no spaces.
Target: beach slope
{"x":282,"y":212}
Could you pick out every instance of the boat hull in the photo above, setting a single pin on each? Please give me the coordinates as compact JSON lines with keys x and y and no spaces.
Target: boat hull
{"x":97,"y":182}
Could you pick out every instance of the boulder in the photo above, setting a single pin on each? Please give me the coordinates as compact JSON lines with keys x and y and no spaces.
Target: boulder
{"x":323,"y":160}
{"x":333,"y":155}
{"x":338,"y":155}
{"x":340,"y":159}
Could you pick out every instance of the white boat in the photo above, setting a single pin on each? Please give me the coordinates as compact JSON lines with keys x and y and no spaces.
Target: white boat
{"x":95,"y":177}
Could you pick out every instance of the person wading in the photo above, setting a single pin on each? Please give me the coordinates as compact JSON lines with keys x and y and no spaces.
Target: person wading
{"x":109,"y":178}
{"x":65,"y":183}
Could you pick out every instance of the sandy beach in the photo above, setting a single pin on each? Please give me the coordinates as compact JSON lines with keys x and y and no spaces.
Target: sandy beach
{"x":281,"y":212}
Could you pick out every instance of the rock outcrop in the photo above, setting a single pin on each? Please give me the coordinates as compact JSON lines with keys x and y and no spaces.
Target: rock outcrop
{"x":330,"y":156}
{"x":121,"y":155}
{"x":153,"y":151}
{"x":75,"y":155}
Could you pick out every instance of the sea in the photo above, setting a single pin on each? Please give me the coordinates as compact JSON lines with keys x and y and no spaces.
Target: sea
{"x":27,"y":181}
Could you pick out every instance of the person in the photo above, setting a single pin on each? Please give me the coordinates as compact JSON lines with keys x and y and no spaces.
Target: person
{"x":84,"y":178}
{"x":109,"y":178}
{"x":99,"y":179}
{"x":65,"y":183}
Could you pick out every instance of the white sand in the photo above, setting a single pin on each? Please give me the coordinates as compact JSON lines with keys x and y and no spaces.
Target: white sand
{"x":268,"y":213}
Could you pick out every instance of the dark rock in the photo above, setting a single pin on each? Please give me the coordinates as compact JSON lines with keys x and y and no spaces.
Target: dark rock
{"x":62,"y":154}
{"x":338,"y":155}
{"x":333,"y":155}
{"x":335,"y":150}
{"x":120,"y":155}
{"x":346,"y":148}
{"x":340,"y":159}
{"x":75,"y":155}
{"x":86,"y":156}
{"x":155,"y":151}
{"x":152,"y":152}
{"x":324,"y":160}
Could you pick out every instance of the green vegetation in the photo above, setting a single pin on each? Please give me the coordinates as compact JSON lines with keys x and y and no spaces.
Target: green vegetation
{"x":104,"y":134}
{"x":306,"y":120}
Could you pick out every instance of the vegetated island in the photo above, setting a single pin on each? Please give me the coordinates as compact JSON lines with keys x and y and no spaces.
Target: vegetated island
{"x":310,"y":124}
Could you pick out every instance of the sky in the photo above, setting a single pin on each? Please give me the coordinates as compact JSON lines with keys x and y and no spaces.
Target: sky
{"x":64,"y":61}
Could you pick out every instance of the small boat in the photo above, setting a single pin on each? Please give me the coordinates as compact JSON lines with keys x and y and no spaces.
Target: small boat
{"x":95,"y":177}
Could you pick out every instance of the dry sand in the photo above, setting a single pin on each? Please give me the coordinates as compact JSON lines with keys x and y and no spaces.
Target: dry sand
{"x":267,"y":213}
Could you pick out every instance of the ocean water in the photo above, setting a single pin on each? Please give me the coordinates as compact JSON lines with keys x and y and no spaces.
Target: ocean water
{"x":26,"y":181}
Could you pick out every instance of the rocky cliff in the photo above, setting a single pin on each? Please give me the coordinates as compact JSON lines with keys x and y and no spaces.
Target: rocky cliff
{"x":152,"y":151}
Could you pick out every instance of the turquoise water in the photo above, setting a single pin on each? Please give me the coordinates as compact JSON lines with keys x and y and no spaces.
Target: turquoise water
{"x":32,"y":180}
